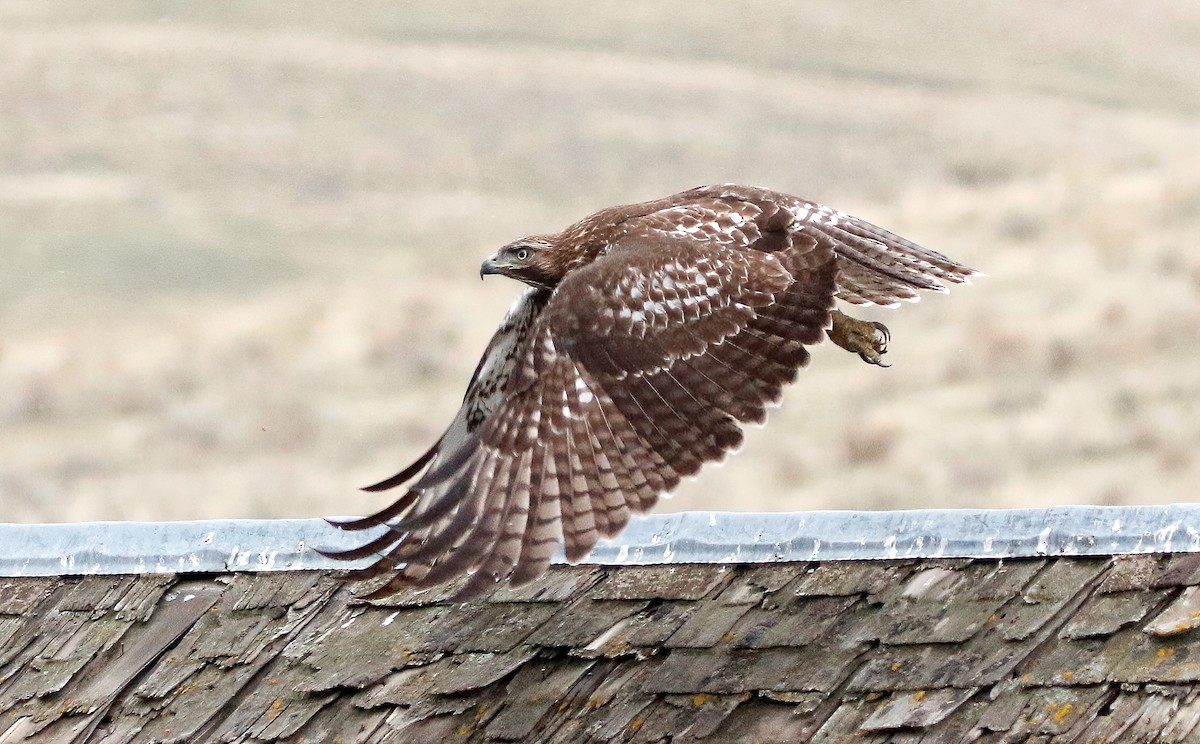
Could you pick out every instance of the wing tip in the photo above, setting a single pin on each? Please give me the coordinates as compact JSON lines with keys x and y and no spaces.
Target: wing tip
{"x":380,"y":518}
{"x":387,"y":483}
{"x":406,"y":474}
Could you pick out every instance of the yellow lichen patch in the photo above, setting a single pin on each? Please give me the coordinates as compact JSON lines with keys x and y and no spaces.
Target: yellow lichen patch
{"x":896,"y":666}
{"x":1067,"y":675}
{"x":700,"y":699}
{"x":616,"y":646}
{"x":873,"y":696}
{"x":1059,"y":712}
{"x":918,"y":696}
{"x":272,"y":680}
{"x":728,"y":636}
{"x":636,"y":724}
{"x":275,"y":709}
{"x":464,"y":730}
{"x":1164,"y":652}
{"x":596,"y":701}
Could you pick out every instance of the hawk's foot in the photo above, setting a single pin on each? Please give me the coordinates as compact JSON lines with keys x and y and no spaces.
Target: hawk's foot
{"x":866,"y":338}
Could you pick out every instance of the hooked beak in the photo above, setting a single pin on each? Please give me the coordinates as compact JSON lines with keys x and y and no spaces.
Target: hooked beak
{"x":489,"y":267}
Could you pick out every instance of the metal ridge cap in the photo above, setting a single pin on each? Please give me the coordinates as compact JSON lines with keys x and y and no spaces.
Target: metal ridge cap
{"x":221,"y":546}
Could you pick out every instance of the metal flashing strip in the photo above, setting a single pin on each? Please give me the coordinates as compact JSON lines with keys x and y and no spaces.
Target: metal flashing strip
{"x":221,"y":546}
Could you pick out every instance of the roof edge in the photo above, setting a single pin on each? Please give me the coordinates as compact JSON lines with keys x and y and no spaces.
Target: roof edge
{"x":221,"y":546}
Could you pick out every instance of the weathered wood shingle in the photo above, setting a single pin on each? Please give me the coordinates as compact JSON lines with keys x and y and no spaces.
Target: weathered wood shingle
{"x":1047,"y":649}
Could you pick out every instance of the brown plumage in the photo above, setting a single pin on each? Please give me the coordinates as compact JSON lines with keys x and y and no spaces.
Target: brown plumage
{"x":649,"y":334}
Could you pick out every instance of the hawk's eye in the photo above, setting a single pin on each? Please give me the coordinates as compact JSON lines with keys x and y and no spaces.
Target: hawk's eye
{"x":521,"y":254}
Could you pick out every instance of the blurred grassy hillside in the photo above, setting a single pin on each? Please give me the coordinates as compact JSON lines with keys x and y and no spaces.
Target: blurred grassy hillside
{"x":239,"y":243}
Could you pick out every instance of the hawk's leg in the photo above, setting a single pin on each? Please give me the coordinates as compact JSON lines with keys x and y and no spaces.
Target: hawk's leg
{"x":866,"y":338}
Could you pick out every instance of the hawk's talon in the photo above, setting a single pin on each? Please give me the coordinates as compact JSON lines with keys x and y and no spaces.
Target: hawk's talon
{"x":869,"y":360}
{"x":868,"y":339}
{"x":883,"y":331}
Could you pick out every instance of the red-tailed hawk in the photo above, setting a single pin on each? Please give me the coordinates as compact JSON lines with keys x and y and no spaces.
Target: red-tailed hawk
{"x":649,"y":334}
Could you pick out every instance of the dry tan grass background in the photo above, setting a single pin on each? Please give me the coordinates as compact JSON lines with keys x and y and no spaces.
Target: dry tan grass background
{"x":239,"y":243}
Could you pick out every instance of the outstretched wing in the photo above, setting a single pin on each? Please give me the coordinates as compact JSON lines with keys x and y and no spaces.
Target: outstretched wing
{"x":641,"y":367}
{"x":429,"y":498}
{"x":875,"y":266}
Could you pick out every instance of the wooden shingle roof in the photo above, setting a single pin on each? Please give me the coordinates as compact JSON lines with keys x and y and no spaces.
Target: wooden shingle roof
{"x":1053,"y":648}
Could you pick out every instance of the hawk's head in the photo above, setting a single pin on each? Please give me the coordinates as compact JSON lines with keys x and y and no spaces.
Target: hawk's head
{"x":534,"y":261}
